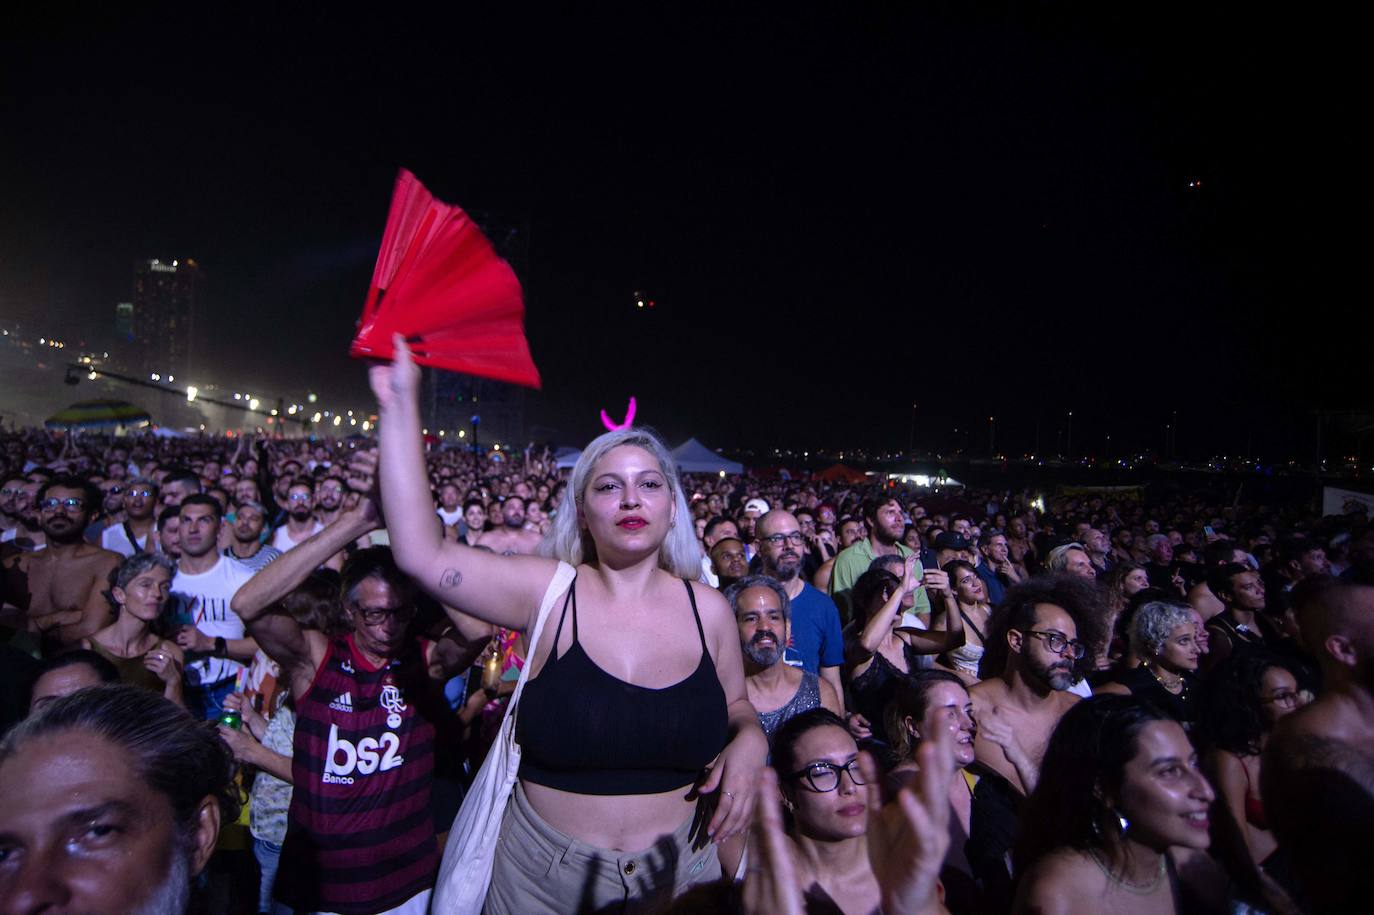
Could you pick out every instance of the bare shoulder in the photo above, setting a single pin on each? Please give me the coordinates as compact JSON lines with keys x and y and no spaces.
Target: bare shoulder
{"x":990,"y":691}
{"x":1066,"y":700}
{"x":711,"y":604}
{"x":1059,"y":883}
{"x":92,"y":557}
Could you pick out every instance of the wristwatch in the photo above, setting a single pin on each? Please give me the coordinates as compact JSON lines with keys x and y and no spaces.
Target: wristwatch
{"x":221,"y":647}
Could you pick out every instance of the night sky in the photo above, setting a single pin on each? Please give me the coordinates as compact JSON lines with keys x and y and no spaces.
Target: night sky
{"x":839,"y":211}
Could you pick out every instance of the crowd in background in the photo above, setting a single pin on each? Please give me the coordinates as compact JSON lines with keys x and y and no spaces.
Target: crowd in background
{"x":970,"y":700}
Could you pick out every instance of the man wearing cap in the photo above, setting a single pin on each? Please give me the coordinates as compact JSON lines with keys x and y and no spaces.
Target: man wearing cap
{"x":885,"y":527}
{"x":754,"y":509}
{"x":950,"y":546}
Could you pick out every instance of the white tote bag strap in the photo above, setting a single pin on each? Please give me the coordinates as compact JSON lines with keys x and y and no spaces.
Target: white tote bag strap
{"x":465,"y":872}
{"x":562,"y":580}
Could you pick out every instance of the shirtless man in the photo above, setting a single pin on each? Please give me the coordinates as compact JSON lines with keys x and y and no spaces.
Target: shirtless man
{"x":1018,"y":708}
{"x":1318,"y":772}
{"x":62,"y":587}
{"x":511,"y":537}
{"x":777,"y":690}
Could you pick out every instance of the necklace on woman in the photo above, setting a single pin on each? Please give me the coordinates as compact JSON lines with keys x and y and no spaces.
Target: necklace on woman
{"x":1178,"y":689}
{"x":1142,"y":889}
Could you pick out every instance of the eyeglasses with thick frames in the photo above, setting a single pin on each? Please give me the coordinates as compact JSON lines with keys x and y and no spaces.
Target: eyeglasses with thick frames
{"x":825,"y":776}
{"x":1058,"y":643}
{"x":796,"y":538}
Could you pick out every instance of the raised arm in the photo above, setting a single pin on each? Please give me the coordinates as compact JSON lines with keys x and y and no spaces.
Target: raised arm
{"x":932,"y":640}
{"x":298,"y":652}
{"x":505,"y":590}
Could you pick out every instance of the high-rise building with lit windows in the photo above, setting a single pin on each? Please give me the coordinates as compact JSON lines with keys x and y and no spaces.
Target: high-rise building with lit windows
{"x":167,"y":316}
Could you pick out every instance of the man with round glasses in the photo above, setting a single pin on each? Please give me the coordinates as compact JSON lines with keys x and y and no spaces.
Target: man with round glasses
{"x":62,"y":587}
{"x":1028,"y":668}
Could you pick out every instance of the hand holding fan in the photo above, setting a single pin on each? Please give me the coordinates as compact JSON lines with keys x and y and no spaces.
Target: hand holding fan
{"x":440,"y":284}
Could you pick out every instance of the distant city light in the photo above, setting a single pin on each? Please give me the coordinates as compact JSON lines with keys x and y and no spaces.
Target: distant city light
{"x":91,"y":376}
{"x":171,"y":378}
{"x":191,"y":392}
{"x":462,"y":433}
{"x":253,"y":404}
{"x":238,"y":396}
{"x":312,"y":398}
{"x":155,"y":376}
{"x":316,"y":417}
{"x":291,"y":410}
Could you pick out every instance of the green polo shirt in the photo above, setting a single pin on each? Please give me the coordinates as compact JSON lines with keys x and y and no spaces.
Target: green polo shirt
{"x":852,"y":562}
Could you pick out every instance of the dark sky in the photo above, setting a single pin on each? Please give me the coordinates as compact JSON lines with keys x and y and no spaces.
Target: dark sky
{"x":839,"y":210}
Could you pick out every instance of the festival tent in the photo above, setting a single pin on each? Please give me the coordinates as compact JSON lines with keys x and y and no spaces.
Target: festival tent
{"x":99,"y":414}
{"x":841,"y":473}
{"x":694,"y":457}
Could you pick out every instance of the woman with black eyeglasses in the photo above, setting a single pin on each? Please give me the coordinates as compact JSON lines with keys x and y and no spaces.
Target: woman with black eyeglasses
{"x":824,"y":794}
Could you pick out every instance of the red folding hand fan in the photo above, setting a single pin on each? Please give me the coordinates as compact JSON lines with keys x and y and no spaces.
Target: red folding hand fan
{"x":439,"y":284}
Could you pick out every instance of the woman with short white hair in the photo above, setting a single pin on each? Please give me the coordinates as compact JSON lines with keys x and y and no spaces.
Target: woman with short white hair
{"x":634,"y":725}
{"x":1164,"y":635}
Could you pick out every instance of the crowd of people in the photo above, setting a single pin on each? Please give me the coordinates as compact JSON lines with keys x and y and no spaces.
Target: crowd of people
{"x":266,"y":675}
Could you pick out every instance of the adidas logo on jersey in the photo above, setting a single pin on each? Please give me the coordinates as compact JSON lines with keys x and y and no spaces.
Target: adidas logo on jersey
{"x":342,"y":703}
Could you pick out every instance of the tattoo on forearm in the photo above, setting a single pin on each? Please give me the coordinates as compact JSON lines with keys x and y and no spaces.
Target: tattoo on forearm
{"x":451,"y":578}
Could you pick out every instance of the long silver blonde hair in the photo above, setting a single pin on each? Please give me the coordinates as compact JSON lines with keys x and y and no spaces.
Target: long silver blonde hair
{"x":680,"y":553}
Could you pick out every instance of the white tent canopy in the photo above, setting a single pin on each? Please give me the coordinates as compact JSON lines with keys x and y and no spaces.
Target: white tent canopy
{"x":694,"y":457}
{"x":566,"y":458}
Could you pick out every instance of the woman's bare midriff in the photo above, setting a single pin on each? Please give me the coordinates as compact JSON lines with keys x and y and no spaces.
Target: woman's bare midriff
{"x":625,"y":823}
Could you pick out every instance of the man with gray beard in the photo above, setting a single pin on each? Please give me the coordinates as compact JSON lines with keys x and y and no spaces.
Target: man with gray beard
{"x":817,"y":642}
{"x":111,"y":800}
{"x":777,"y":690}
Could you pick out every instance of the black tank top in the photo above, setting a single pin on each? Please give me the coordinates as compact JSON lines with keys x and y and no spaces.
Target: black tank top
{"x":583,"y":731}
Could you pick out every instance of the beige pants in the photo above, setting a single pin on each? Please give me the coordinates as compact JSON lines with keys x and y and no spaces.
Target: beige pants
{"x":540,"y":870}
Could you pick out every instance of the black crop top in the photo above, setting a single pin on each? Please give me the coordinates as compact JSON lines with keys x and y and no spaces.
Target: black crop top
{"x":583,"y":731}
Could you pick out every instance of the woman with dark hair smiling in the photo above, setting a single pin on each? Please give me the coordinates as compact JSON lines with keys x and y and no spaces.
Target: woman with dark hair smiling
{"x":1120,"y":811}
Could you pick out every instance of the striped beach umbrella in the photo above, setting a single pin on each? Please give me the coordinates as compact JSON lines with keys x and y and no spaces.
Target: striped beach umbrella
{"x":99,"y":414}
